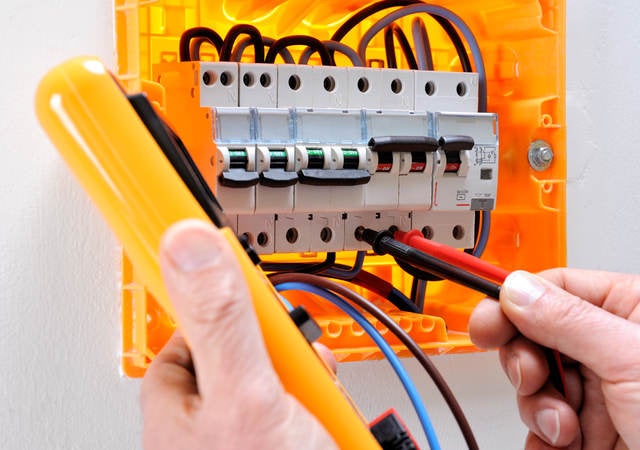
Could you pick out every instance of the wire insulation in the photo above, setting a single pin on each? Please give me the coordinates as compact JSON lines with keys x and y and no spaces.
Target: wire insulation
{"x":402,"y":335}
{"x":333,"y":46}
{"x":299,"y":39}
{"x":421,"y":44}
{"x":444,"y":13}
{"x":386,"y":349}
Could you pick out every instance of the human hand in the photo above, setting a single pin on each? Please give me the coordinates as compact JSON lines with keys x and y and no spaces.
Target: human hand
{"x":213,"y":385}
{"x":592,"y":318}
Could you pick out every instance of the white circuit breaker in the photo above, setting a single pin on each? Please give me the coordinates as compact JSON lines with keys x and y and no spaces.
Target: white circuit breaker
{"x":306,"y":154}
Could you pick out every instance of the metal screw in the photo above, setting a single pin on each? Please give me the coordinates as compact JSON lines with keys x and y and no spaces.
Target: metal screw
{"x":540,"y":155}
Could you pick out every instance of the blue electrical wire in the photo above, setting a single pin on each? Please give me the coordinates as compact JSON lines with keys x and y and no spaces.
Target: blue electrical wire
{"x":406,"y":381}
{"x":484,"y":234}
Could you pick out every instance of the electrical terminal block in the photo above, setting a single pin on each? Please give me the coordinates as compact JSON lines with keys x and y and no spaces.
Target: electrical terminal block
{"x":260,"y":230}
{"x":218,"y":84}
{"x":439,"y":91}
{"x":258,"y":85}
{"x":453,"y":228}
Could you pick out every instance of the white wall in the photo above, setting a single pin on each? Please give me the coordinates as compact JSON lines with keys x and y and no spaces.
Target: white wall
{"x":60,"y":386}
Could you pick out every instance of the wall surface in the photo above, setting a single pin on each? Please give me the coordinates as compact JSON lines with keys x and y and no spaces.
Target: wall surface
{"x":60,"y":386}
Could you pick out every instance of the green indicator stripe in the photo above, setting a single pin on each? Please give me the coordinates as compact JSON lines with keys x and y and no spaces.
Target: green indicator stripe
{"x":237,"y":153}
{"x":315,"y":152}
{"x":350,"y":152}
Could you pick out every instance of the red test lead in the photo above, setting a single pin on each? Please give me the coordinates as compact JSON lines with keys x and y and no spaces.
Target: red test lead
{"x":460,"y":259}
{"x":482,"y":268}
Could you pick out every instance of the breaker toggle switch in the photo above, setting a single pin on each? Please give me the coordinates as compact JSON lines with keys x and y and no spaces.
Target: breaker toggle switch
{"x":319,"y":171}
{"x":453,"y":146}
{"x":415,"y":146}
{"x":237,"y":165}
{"x":277,"y":174}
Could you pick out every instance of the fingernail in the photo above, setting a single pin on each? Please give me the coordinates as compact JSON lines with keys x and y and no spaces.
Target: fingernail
{"x":193,"y":250}
{"x":548,"y":421}
{"x":522,"y":288}
{"x":514,"y":372}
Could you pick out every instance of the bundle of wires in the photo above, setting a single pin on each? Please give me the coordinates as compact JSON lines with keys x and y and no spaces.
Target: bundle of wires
{"x":316,"y":277}
{"x":333,"y":292}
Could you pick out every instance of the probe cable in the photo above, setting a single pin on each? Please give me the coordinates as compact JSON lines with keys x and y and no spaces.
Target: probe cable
{"x":383,"y":242}
{"x":402,"y":335}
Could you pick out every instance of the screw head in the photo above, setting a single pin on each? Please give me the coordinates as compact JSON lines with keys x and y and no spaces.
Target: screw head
{"x":540,"y":155}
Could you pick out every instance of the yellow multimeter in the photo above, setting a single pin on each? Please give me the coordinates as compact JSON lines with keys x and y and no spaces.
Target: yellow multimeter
{"x":142,"y":179}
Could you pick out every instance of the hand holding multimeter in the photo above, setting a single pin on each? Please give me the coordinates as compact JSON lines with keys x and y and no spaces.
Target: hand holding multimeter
{"x":237,"y":400}
{"x":142,"y":179}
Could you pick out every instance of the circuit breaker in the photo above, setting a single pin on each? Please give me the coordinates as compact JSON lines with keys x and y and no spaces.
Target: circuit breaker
{"x":304,"y":149}
{"x":300,"y":163}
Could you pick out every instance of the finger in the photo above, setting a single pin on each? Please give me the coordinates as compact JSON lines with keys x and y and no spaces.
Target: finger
{"x":598,"y":429}
{"x":575,"y":391}
{"x":557,"y":319}
{"x":169,"y":384}
{"x":488,"y":326}
{"x":327,"y":355}
{"x":214,"y":310}
{"x":547,"y":415}
{"x":533,"y":442}
{"x":525,"y":365}
{"x":592,"y":285}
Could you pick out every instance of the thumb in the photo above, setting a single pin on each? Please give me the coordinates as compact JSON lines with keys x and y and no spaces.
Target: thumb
{"x":557,"y":319}
{"x":214,"y":309}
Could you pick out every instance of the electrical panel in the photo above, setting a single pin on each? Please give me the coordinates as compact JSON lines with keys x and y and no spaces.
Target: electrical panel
{"x":302,"y":155}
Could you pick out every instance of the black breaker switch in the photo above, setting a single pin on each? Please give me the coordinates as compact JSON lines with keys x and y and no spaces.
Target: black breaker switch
{"x":452,"y":145}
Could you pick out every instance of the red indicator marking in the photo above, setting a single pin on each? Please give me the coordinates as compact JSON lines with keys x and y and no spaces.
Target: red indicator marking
{"x":452,"y":167}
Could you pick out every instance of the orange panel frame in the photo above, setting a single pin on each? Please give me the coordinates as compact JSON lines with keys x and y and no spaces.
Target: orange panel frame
{"x":523,"y":49}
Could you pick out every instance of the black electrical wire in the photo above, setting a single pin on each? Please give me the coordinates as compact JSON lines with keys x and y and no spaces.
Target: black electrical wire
{"x":196,"y":45}
{"x":422,"y":44}
{"x":402,"y":335}
{"x":333,"y":46}
{"x":348,"y":273}
{"x":457,"y":42}
{"x":389,"y":47}
{"x":232,"y":35}
{"x":299,"y":39}
{"x":199,"y":34}
{"x":418,"y":293}
{"x":362,"y":14}
{"x":434,"y":11}
{"x":238,"y":50}
{"x":314,"y":267}
{"x":416,"y":272}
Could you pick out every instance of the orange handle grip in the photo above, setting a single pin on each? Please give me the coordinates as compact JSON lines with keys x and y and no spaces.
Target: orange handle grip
{"x":139,"y":193}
